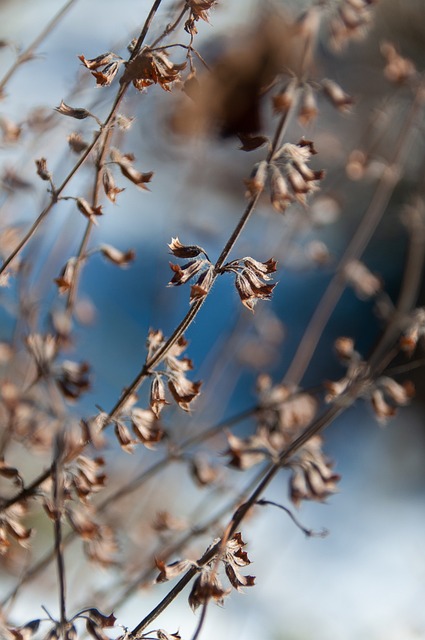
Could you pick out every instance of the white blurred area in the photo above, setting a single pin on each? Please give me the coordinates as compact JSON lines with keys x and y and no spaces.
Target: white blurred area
{"x":366,"y":579}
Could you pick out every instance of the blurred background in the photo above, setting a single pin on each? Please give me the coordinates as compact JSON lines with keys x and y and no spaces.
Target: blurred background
{"x":366,"y":578}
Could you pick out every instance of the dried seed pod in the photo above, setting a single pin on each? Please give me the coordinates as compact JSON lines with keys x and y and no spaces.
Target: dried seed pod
{"x":398,"y":69}
{"x":257,"y":180}
{"x":337,"y":96}
{"x":363,"y":281}
{"x":308,"y":110}
{"x":72,"y":112}
{"x":284,"y":100}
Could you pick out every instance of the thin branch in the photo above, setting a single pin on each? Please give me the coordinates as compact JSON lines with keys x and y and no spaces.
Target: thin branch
{"x":194,"y":309}
{"x":107,"y":123}
{"x":170,"y":27}
{"x":310,"y":533}
{"x":361,"y":238}
{"x":57,"y":505}
{"x":201,"y":621}
{"x":28,"y":491}
{"x":207,"y":557}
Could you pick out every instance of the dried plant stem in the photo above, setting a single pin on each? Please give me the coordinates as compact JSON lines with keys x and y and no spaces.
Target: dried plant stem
{"x":146,"y":28}
{"x":106,"y":124}
{"x":308,"y":532}
{"x":343,"y":402}
{"x":95,"y":201}
{"x":208,"y":556}
{"x":57,"y":505}
{"x":28,"y":491}
{"x":159,"y":355}
{"x":200,"y":621}
{"x":367,"y":227}
{"x":239,"y":515}
{"x":54,"y":198}
{"x":171,"y":27}
{"x":124,"y":491}
{"x":105,"y":148}
{"x":412,"y":279}
{"x":29,"y":51}
{"x":152,"y":362}
{"x":36,"y":569}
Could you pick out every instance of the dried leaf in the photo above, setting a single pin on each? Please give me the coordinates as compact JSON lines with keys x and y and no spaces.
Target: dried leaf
{"x":186,"y":272}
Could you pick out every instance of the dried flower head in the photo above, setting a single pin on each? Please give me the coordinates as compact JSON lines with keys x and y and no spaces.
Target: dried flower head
{"x":337,"y":96}
{"x":73,"y":379}
{"x":387,"y":394}
{"x":42,"y":170}
{"x":203,"y":472}
{"x":172,"y":570}
{"x":415,"y":330}
{"x":120,"y":258}
{"x":234,"y":558}
{"x":186,"y":272}
{"x":89,"y":211}
{"x":73,"y":112}
{"x":246,"y":452}
{"x":11,"y":132}
{"x":398,"y":69}
{"x":104,"y":67}
{"x":312,"y":476}
{"x":250,"y":277}
{"x":12,"y":529}
{"x":290,"y":176}
{"x":284,"y":100}
{"x":152,"y":67}
{"x":207,"y":586}
{"x":66,"y":278}
{"x":125,"y":163}
{"x":308,"y":109}
{"x":109,"y":186}
{"x":363,"y":281}
{"x":350,"y":22}
{"x":76,"y":142}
